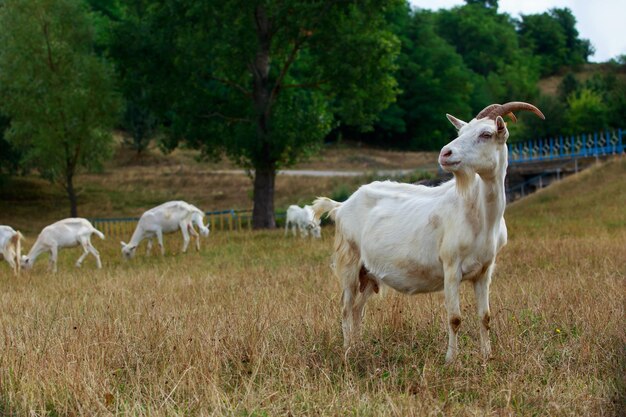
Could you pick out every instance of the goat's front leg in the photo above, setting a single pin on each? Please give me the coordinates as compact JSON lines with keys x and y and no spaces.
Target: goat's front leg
{"x":195,"y":234}
{"x":149,"y":246}
{"x":185,"y":232}
{"x":481,"y":290}
{"x":54,"y":252}
{"x":159,"y":235}
{"x":452,"y":281}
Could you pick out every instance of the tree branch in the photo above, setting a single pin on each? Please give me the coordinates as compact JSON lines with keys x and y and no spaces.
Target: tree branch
{"x":232,"y":84}
{"x":227,"y":118}
{"x":305,"y":85}
{"x":306,"y":33}
{"x":283,"y":71}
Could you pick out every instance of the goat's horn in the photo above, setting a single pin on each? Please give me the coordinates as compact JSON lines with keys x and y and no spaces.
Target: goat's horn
{"x":495,"y":110}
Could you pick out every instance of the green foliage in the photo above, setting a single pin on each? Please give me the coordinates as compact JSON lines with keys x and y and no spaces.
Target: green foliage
{"x":531,"y":127}
{"x":9,"y":155}
{"x":204,"y":88}
{"x":587,"y":112}
{"x":57,"y":92}
{"x":434,"y":80}
{"x":484,"y":38}
{"x":552,"y":36}
{"x":569,"y":84}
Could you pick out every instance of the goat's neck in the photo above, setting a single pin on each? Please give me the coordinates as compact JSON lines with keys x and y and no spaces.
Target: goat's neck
{"x":494,"y":192}
{"x":37,"y":249}
{"x":138,"y":235}
{"x":485,"y":190}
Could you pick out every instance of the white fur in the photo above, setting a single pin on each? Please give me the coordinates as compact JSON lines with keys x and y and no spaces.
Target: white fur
{"x":66,"y":233}
{"x":418,"y":239}
{"x":166,"y":218}
{"x":11,"y":247}
{"x":304,"y":220}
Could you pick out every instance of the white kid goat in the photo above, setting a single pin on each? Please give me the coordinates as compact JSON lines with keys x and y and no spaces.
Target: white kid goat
{"x":166,"y":218}
{"x":66,"y":233}
{"x":303,"y":219}
{"x":417,"y":239}
{"x":11,"y":247}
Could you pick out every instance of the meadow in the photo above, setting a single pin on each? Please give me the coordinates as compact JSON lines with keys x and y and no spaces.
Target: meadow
{"x":250,"y":326}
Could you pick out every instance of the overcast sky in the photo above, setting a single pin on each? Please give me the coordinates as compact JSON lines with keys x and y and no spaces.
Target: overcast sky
{"x":603,"y":22}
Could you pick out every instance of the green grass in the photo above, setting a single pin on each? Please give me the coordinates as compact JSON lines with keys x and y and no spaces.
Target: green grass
{"x":250,"y":326}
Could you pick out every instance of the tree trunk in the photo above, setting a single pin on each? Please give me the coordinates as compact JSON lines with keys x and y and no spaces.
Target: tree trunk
{"x":71,"y":194}
{"x":263,"y":212}
{"x":265,"y":166}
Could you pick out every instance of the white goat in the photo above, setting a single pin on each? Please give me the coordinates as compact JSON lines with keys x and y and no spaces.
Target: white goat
{"x":417,"y":239}
{"x":66,"y":233}
{"x":11,"y":247}
{"x":166,"y":218}
{"x":304,"y":219}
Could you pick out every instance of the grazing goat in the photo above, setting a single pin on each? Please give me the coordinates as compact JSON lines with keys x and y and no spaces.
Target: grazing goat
{"x":418,"y":239}
{"x":66,"y":233}
{"x":303,"y":219}
{"x":166,"y":218}
{"x":11,"y":247}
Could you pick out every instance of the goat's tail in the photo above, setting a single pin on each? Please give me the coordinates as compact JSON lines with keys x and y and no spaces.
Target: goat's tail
{"x":99,"y":233}
{"x":16,"y":240}
{"x":323,"y":205}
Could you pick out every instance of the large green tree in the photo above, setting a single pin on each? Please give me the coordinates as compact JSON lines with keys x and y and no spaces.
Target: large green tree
{"x":264,"y":81}
{"x":552,"y":36}
{"x":56,"y":91}
{"x":433,"y":80}
{"x":489,"y":45}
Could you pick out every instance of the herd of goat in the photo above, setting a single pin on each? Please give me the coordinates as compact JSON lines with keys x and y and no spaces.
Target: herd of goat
{"x":165,"y":218}
{"x":412,"y":238}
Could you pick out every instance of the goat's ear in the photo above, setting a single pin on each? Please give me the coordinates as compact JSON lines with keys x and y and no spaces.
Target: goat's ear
{"x":458,"y":123}
{"x":502,"y":132}
{"x":122,"y":243}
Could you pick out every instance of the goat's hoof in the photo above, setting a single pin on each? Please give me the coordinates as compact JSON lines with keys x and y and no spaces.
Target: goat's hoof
{"x":450,"y":358}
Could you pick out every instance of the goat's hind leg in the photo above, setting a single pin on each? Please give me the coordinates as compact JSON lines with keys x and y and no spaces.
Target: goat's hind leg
{"x":95,"y":253}
{"x":367,"y":286}
{"x":349,"y":277}
{"x":82,"y":257}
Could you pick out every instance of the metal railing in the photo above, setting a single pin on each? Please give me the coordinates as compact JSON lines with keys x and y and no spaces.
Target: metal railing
{"x":567,"y":147}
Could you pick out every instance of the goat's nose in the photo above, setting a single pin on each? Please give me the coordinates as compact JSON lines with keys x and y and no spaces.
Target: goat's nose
{"x":446,"y":153}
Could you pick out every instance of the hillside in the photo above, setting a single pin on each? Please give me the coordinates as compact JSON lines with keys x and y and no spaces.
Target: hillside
{"x":591,"y":200}
{"x":550,"y":85}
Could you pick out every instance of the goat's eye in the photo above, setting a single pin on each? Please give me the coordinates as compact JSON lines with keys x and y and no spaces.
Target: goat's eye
{"x":486,"y":135}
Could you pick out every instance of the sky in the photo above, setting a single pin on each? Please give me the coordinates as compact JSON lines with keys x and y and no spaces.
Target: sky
{"x":603,"y":22}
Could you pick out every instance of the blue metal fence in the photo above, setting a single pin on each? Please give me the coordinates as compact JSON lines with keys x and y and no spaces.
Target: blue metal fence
{"x":575,"y":146}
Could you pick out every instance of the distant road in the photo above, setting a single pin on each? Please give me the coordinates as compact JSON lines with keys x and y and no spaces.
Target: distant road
{"x":333,"y":173}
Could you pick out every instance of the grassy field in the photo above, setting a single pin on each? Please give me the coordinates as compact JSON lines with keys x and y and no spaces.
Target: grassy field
{"x":250,"y":326}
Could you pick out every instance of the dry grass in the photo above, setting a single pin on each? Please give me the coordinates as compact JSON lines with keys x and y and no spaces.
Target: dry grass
{"x":250,"y":327}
